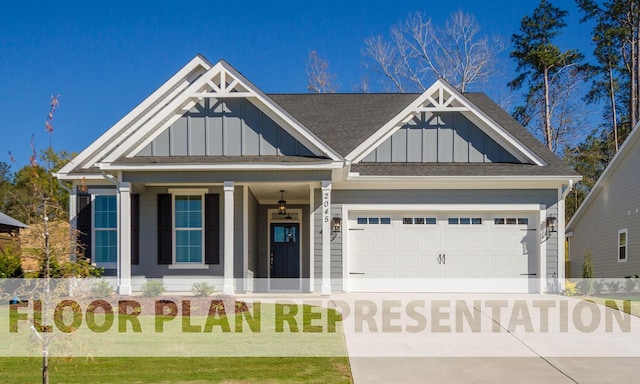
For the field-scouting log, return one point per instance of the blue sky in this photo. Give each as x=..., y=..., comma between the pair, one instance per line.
x=105, y=58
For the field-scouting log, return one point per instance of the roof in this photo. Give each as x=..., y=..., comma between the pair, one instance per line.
x=344, y=120
x=456, y=169
x=10, y=221
x=337, y=126
x=629, y=144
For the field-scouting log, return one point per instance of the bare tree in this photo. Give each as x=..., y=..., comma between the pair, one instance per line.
x=419, y=52
x=319, y=78
x=554, y=114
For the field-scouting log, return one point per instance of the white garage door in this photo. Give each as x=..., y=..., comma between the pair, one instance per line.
x=443, y=252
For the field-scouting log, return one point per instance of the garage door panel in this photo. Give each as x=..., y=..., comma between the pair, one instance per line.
x=480, y=257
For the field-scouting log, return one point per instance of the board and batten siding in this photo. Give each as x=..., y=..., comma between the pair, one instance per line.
x=615, y=207
x=441, y=137
x=230, y=127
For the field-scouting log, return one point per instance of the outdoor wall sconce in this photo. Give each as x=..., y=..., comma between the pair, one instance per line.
x=282, y=204
x=551, y=224
x=336, y=224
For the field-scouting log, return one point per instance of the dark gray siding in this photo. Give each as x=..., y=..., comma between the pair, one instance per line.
x=231, y=127
x=252, y=226
x=238, y=231
x=443, y=137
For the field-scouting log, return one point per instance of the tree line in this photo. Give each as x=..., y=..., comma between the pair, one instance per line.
x=555, y=85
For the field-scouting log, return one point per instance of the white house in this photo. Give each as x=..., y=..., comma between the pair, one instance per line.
x=211, y=178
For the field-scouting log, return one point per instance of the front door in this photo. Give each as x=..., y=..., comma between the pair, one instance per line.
x=285, y=256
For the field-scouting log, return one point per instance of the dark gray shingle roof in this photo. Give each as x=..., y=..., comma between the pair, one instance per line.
x=344, y=120
x=222, y=159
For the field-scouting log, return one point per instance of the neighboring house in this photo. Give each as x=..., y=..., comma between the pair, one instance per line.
x=10, y=232
x=211, y=179
x=607, y=223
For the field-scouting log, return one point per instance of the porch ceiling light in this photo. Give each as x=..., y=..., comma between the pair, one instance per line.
x=282, y=204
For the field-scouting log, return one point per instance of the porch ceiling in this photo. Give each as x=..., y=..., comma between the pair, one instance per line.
x=269, y=193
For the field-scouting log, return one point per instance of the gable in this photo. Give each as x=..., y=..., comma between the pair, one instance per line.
x=615, y=193
x=440, y=120
x=224, y=127
x=440, y=137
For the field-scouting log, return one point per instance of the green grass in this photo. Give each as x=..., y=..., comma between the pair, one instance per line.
x=178, y=370
x=618, y=299
x=266, y=356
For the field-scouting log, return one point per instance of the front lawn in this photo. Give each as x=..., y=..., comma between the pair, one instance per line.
x=290, y=343
x=22, y=370
x=617, y=300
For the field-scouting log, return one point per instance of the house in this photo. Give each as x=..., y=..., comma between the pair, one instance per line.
x=607, y=223
x=9, y=232
x=209, y=178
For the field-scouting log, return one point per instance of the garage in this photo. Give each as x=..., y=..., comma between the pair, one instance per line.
x=455, y=251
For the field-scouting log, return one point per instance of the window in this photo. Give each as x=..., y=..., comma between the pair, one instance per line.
x=188, y=228
x=419, y=220
x=373, y=220
x=465, y=221
x=622, y=245
x=511, y=221
x=105, y=229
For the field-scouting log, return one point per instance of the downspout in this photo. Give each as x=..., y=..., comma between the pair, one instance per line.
x=566, y=191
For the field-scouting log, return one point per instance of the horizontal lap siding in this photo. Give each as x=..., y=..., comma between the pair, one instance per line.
x=615, y=207
x=148, y=240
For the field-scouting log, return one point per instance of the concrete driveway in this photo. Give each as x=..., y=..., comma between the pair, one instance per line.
x=487, y=338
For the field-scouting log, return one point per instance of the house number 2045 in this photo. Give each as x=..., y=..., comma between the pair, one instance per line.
x=325, y=207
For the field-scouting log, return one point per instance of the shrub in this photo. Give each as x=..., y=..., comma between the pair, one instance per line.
x=9, y=264
x=202, y=289
x=153, y=288
x=586, y=285
x=629, y=284
x=101, y=289
x=598, y=287
x=569, y=288
x=613, y=286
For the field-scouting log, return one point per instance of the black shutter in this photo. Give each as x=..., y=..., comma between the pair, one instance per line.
x=165, y=246
x=212, y=229
x=83, y=224
x=135, y=229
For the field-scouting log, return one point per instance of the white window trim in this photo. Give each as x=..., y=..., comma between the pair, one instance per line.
x=626, y=245
x=103, y=192
x=186, y=192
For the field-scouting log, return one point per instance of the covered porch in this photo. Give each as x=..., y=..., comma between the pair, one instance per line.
x=242, y=234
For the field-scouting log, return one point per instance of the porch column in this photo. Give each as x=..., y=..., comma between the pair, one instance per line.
x=124, y=229
x=326, y=237
x=228, y=237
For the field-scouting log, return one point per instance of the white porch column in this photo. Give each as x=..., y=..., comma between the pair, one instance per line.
x=326, y=237
x=124, y=229
x=228, y=238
